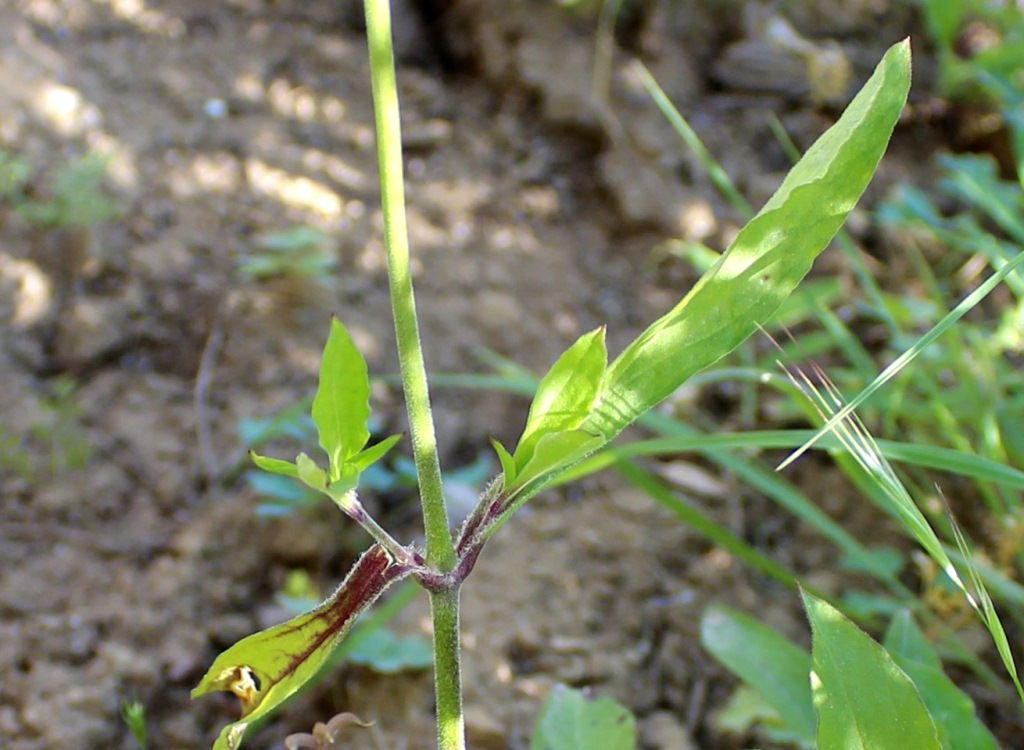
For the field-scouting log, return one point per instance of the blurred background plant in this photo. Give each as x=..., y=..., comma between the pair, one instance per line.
x=300, y=252
x=54, y=444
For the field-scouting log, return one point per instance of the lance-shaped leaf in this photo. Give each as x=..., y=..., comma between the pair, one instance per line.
x=367, y=458
x=862, y=697
x=341, y=406
x=275, y=465
x=267, y=668
x=769, y=257
x=566, y=394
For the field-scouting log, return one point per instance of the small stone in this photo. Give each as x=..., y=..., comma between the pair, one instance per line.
x=663, y=731
x=89, y=329
x=483, y=730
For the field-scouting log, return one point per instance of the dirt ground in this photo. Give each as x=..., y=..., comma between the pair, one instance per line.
x=535, y=213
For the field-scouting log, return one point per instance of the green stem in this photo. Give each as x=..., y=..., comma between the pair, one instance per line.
x=444, y=603
x=440, y=549
x=444, y=609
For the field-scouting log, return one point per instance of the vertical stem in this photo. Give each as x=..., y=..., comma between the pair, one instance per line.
x=444, y=610
x=444, y=603
x=440, y=548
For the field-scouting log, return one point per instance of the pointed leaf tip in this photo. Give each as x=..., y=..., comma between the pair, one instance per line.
x=341, y=406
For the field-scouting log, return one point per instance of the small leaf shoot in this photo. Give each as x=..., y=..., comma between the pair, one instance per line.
x=341, y=406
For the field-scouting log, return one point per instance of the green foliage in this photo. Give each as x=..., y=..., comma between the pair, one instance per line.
x=384, y=652
x=572, y=720
x=769, y=257
x=55, y=444
x=301, y=252
x=341, y=406
x=14, y=174
x=340, y=412
x=864, y=695
x=133, y=714
x=580, y=405
x=771, y=665
x=1000, y=54
x=73, y=197
x=862, y=698
x=952, y=710
x=564, y=399
x=766, y=261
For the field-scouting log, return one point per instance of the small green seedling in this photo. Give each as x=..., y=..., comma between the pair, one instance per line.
x=301, y=252
x=580, y=405
x=133, y=713
x=74, y=197
x=53, y=445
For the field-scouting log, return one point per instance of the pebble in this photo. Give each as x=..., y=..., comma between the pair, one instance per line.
x=663, y=731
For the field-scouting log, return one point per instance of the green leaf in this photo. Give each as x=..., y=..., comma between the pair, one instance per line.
x=341, y=406
x=384, y=652
x=310, y=474
x=367, y=458
x=267, y=668
x=342, y=490
x=747, y=709
x=769, y=257
x=556, y=451
x=863, y=699
x=951, y=709
x=570, y=720
x=766, y=661
x=566, y=394
x=508, y=464
x=275, y=465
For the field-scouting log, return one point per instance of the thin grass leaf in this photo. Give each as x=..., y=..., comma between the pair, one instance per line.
x=986, y=611
x=854, y=436
x=947, y=322
x=719, y=177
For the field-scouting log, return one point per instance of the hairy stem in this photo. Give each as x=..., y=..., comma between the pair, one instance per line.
x=440, y=549
x=444, y=609
x=440, y=546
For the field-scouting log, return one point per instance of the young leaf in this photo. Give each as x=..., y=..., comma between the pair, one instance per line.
x=951, y=708
x=341, y=406
x=566, y=394
x=571, y=720
x=766, y=661
x=367, y=458
x=863, y=699
x=310, y=474
x=275, y=465
x=342, y=490
x=769, y=257
x=556, y=451
x=267, y=668
x=508, y=464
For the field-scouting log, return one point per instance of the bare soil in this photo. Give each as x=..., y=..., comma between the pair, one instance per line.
x=535, y=214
